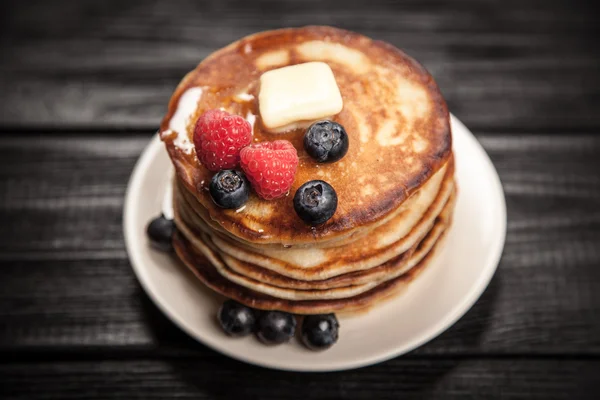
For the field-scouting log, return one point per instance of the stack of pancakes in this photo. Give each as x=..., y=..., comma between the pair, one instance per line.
x=395, y=186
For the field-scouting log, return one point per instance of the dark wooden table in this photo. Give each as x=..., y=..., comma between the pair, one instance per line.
x=83, y=86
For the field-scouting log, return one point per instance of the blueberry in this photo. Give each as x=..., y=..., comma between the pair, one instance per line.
x=326, y=141
x=320, y=332
x=229, y=188
x=160, y=231
x=315, y=202
x=275, y=327
x=236, y=319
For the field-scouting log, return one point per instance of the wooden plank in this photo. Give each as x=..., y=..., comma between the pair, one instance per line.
x=70, y=189
x=518, y=64
x=66, y=281
x=219, y=378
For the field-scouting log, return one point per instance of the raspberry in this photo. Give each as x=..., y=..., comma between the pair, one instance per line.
x=219, y=137
x=270, y=167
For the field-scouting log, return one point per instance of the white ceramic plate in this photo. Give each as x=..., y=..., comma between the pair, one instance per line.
x=433, y=302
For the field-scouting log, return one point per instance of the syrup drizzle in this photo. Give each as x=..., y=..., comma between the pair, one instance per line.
x=186, y=107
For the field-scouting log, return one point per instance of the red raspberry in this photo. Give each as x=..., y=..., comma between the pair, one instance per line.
x=270, y=167
x=219, y=137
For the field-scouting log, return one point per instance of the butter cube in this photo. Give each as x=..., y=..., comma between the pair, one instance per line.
x=294, y=96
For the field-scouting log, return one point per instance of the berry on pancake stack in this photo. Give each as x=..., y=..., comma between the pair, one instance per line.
x=314, y=175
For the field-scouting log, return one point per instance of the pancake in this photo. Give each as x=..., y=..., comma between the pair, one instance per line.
x=400, y=219
x=332, y=293
x=395, y=187
x=372, y=251
x=209, y=276
x=387, y=270
x=378, y=246
x=381, y=245
x=407, y=211
x=265, y=283
x=396, y=118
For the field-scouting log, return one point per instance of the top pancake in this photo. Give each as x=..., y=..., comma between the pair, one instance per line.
x=396, y=119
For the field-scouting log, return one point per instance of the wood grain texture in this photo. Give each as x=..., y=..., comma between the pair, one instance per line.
x=220, y=378
x=66, y=281
x=501, y=64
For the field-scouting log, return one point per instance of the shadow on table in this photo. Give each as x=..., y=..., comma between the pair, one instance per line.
x=418, y=373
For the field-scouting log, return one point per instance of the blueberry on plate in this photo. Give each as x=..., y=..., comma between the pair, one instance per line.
x=229, y=188
x=320, y=332
x=276, y=327
x=236, y=319
x=160, y=231
x=315, y=202
x=326, y=141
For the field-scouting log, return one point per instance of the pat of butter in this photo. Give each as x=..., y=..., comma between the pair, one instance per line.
x=294, y=96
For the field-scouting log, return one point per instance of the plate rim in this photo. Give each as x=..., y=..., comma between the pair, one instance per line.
x=458, y=311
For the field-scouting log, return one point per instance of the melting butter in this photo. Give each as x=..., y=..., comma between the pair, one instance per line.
x=298, y=94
